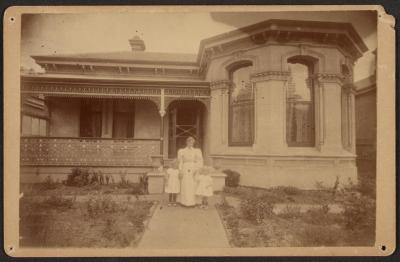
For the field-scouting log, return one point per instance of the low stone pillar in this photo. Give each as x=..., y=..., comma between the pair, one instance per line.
x=218, y=181
x=156, y=182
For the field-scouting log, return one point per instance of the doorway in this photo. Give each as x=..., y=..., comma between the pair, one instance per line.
x=185, y=119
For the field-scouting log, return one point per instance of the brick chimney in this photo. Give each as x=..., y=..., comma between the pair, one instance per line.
x=137, y=44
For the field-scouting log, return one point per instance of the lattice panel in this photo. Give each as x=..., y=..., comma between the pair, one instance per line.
x=87, y=152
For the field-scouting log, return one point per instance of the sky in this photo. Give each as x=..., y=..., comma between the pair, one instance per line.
x=46, y=34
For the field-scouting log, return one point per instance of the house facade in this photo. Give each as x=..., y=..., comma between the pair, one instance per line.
x=274, y=101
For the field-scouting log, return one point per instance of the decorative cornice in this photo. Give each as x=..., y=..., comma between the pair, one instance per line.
x=270, y=75
x=220, y=84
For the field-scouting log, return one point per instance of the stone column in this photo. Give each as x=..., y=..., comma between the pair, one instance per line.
x=270, y=119
x=352, y=122
x=218, y=120
x=330, y=127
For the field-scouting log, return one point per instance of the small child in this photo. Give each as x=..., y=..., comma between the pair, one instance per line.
x=204, y=187
x=172, y=182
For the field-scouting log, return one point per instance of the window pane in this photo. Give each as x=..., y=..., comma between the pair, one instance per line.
x=241, y=107
x=43, y=127
x=123, y=120
x=300, y=117
x=90, y=118
x=35, y=126
x=26, y=125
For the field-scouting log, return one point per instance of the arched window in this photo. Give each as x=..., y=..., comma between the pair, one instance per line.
x=300, y=122
x=241, y=106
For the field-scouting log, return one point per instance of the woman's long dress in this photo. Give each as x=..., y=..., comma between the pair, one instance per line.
x=190, y=159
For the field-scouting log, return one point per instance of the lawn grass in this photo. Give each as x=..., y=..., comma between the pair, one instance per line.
x=58, y=221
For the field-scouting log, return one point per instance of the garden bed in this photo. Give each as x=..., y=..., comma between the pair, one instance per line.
x=250, y=218
x=45, y=189
x=57, y=221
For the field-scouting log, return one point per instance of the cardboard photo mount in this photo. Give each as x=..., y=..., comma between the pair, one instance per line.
x=386, y=202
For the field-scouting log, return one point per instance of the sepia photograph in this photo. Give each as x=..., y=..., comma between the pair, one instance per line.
x=174, y=130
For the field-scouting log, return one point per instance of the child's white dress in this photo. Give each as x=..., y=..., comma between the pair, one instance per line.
x=173, y=184
x=204, y=186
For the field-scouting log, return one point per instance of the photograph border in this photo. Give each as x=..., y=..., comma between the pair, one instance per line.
x=386, y=140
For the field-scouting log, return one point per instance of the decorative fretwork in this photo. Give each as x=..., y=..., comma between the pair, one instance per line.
x=43, y=151
x=79, y=90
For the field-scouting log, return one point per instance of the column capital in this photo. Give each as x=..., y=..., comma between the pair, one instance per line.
x=323, y=78
x=270, y=75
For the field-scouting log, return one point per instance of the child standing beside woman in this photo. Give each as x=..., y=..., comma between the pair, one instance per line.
x=172, y=183
x=204, y=188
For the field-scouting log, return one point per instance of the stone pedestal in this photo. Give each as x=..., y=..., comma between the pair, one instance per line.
x=218, y=181
x=156, y=182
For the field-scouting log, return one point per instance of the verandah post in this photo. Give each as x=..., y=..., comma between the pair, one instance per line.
x=162, y=114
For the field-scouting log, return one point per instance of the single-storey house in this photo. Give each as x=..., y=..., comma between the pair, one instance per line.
x=274, y=101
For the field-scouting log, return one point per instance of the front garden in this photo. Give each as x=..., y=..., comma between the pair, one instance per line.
x=83, y=211
x=290, y=217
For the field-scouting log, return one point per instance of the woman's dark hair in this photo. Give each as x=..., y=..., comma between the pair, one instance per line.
x=190, y=137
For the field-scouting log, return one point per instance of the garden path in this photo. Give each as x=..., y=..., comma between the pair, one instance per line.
x=184, y=227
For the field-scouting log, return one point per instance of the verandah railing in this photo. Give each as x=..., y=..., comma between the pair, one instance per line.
x=51, y=151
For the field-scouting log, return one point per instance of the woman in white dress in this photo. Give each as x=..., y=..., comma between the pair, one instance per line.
x=190, y=160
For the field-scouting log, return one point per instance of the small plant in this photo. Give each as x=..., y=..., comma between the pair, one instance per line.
x=318, y=216
x=232, y=178
x=57, y=202
x=256, y=208
x=123, y=182
x=291, y=211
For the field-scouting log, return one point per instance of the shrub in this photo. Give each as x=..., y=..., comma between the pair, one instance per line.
x=49, y=184
x=359, y=212
x=140, y=214
x=232, y=178
x=79, y=177
x=256, y=208
x=97, y=206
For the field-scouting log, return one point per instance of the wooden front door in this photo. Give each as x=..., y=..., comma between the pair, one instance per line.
x=185, y=120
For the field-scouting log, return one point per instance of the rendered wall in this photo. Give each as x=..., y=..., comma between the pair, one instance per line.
x=270, y=161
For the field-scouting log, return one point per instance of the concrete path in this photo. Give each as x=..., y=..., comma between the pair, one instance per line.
x=184, y=227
